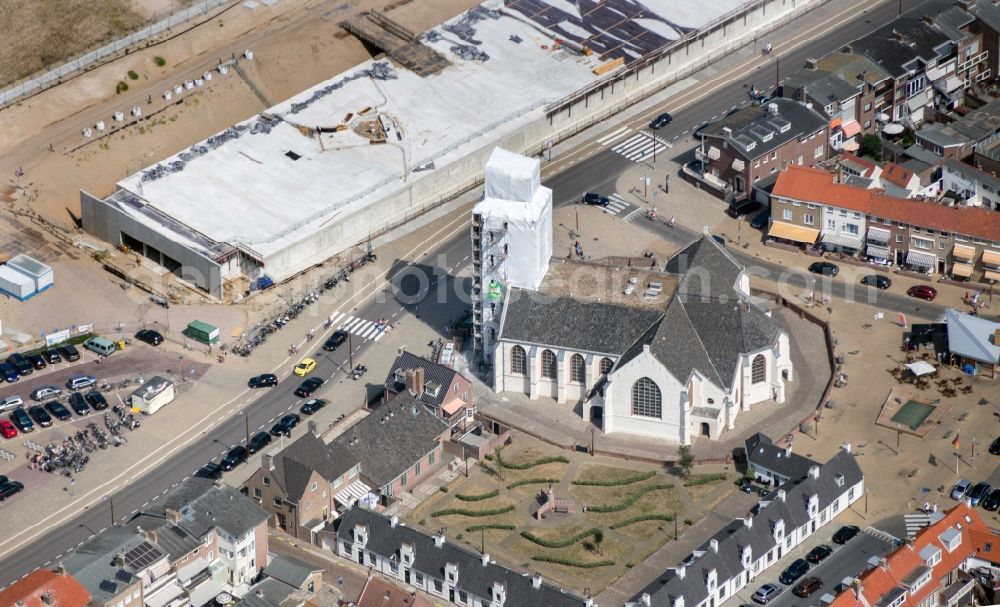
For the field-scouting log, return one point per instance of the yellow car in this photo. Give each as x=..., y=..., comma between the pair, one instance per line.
x=305, y=367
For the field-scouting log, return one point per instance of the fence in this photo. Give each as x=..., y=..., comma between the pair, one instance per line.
x=122, y=45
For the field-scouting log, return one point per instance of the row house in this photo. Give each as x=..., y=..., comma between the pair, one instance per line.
x=963, y=242
x=931, y=570
x=957, y=140
x=442, y=568
x=834, y=97
x=757, y=142
x=987, y=15
x=773, y=464
x=439, y=387
x=45, y=588
x=970, y=186
x=745, y=549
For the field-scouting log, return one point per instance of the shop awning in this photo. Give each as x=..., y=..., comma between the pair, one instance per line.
x=787, y=231
x=850, y=128
x=921, y=260
x=991, y=258
x=877, y=252
x=963, y=252
x=841, y=240
x=961, y=269
x=991, y=275
x=878, y=235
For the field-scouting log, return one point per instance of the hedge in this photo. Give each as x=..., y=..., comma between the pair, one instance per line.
x=571, y=563
x=704, y=479
x=477, y=498
x=533, y=481
x=501, y=527
x=629, y=480
x=641, y=518
x=569, y=541
x=629, y=500
x=463, y=512
x=538, y=462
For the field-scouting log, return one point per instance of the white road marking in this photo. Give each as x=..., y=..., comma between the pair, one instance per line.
x=607, y=139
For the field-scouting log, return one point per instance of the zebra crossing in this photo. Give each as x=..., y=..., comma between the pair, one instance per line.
x=365, y=329
x=639, y=147
x=617, y=205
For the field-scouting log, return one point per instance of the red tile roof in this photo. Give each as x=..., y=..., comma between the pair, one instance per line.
x=66, y=591
x=896, y=174
x=861, y=162
x=380, y=593
x=807, y=184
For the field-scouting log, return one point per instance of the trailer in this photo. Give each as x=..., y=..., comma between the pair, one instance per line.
x=40, y=274
x=153, y=395
x=15, y=284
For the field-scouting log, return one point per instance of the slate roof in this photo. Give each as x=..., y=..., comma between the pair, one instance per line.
x=174, y=539
x=763, y=453
x=752, y=125
x=705, y=257
x=473, y=577
x=919, y=40
x=204, y=506
x=269, y=592
x=433, y=372
x=66, y=591
x=93, y=563
x=603, y=328
x=290, y=570
x=821, y=86
x=853, y=68
x=735, y=536
x=404, y=424
x=988, y=13
x=294, y=465
x=918, y=153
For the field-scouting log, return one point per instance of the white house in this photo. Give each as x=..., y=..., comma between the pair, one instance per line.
x=970, y=185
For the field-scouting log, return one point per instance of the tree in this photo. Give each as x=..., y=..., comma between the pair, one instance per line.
x=497, y=462
x=685, y=460
x=598, y=537
x=871, y=146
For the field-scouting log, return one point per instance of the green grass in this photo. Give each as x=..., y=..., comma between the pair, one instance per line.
x=560, y=543
x=477, y=513
x=642, y=518
x=616, y=482
x=477, y=497
x=704, y=479
x=533, y=481
x=572, y=562
x=630, y=500
x=491, y=526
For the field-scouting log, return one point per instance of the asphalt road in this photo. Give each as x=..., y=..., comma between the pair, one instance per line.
x=592, y=174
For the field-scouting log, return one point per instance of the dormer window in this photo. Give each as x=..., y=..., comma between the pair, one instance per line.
x=767, y=137
x=785, y=128
x=951, y=539
x=751, y=146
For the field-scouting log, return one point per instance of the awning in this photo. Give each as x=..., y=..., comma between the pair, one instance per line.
x=850, y=146
x=878, y=235
x=991, y=275
x=919, y=259
x=738, y=165
x=961, y=269
x=917, y=101
x=991, y=258
x=850, y=128
x=921, y=367
x=352, y=493
x=953, y=83
x=787, y=231
x=164, y=595
x=963, y=252
x=714, y=153
x=835, y=123
x=841, y=240
x=877, y=252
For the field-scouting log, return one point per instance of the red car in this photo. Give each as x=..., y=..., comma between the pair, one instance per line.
x=922, y=292
x=7, y=429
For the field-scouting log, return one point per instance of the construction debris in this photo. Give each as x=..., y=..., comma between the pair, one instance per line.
x=469, y=53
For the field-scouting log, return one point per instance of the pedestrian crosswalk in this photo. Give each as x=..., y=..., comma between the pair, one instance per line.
x=617, y=205
x=639, y=147
x=365, y=329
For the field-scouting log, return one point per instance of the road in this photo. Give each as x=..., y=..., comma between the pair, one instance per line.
x=26, y=551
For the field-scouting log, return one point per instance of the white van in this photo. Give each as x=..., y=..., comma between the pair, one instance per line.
x=10, y=403
x=100, y=345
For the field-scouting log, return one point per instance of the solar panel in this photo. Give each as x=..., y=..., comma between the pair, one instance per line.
x=123, y=576
x=142, y=556
x=178, y=531
x=109, y=586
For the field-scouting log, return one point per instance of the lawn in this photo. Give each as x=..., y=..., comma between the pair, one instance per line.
x=699, y=486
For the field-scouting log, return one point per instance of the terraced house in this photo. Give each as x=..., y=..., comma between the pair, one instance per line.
x=745, y=548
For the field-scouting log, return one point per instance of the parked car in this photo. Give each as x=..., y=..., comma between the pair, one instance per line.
x=766, y=593
x=309, y=386
x=45, y=392
x=979, y=493
x=305, y=367
x=922, y=292
x=10, y=489
x=10, y=374
x=7, y=429
x=824, y=268
x=259, y=441
x=595, y=199
x=59, y=410
x=819, y=553
x=21, y=364
x=807, y=586
x=265, y=380
x=211, y=470
x=961, y=489
x=846, y=534
x=661, y=121
x=719, y=239
x=877, y=280
x=312, y=405
x=760, y=220
x=40, y=415
x=797, y=569
x=992, y=501
x=285, y=425
x=78, y=403
x=69, y=352
x=335, y=340
x=37, y=361
x=51, y=356
x=742, y=207
x=9, y=403
x=80, y=381
x=20, y=419
x=96, y=400
x=747, y=487
x=149, y=336
x=236, y=456
x=995, y=446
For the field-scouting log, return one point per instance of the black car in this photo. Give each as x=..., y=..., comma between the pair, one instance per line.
x=78, y=403
x=742, y=207
x=661, y=121
x=335, y=340
x=51, y=356
x=10, y=489
x=992, y=501
x=819, y=553
x=96, y=400
x=845, y=534
x=9, y=373
x=595, y=199
x=19, y=417
x=747, y=487
x=719, y=239
x=37, y=361
x=149, y=336
x=285, y=425
x=312, y=405
x=760, y=220
x=236, y=456
x=69, y=352
x=40, y=415
x=995, y=447
x=21, y=364
x=211, y=470
x=59, y=410
x=797, y=569
x=824, y=268
x=263, y=381
x=877, y=280
x=259, y=441
x=308, y=387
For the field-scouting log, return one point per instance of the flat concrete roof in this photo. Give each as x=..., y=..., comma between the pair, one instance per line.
x=252, y=190
x=586, y=281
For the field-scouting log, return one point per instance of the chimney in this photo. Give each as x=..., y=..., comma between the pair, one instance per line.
x=781, y=494
x=394, y=521
x=411, y=382
x=646, y=600
x=486, y=559
x=60, y=569
x=897, y=36
x=313, y=428
x=48, y=599
x=856, y=585
x=814, y=471
x=536, y=581
x=846, y=447
x=714, y=545
x=173, y=515
x=772, y=108
x=788, y=450
x=928, y=19
x=847, y=49
x=681, y=571
x=811, y=64
x=727, y=130
x=748, y=521
x=439, y=539
x=267, y=462
x=149, y=535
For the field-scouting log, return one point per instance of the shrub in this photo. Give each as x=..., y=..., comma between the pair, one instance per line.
x=561, y=543
x=572, y=563
x=497, y=526
x=630, y=500
x=458, y=537
x=526, y=465
x=704, y=479
x=464, y=512
x=121, y=87
x=132, y=75
x=532, y=481
x=629, y=480
x=642, y=517
x=688, y=522
x=479, y=497
x=159, y=61
x=422, y=521
x=443, y=489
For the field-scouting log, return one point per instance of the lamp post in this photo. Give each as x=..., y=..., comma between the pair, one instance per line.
x=111, y=503
x=246, y=420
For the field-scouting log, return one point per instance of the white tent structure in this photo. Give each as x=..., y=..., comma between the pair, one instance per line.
x=973, y=340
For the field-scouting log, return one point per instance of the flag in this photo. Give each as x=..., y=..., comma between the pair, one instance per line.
x=955, y=443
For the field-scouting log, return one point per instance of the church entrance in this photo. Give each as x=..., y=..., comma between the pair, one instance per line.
x=705, y=429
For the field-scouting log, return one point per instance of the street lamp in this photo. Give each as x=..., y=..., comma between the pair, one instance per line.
x=111, y=503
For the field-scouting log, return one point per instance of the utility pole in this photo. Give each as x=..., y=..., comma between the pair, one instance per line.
x=350, y=352
x=246, y=418
x=111, y=502
x=652, y=135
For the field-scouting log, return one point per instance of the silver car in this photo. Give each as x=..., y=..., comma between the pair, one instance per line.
x=961, y=489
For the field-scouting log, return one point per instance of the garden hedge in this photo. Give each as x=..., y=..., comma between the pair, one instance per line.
x=464, y=512
x=630, y=500
x=569, y=541
x=641, y=518
x=501, y=527
x=526, y=465
x=479, y=497
x=533, y=481
x=629, y=480
x=704, y=479
x=571, y=563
